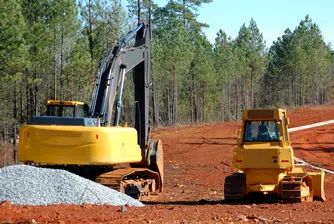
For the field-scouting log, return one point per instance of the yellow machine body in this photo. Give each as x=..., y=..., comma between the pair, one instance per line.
x=265, y=161
x=78, y=145
x=65, y=103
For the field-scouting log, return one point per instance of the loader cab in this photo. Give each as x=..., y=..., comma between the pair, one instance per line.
x=59, y=108
x=265, y=125
x=265, y=162
x=259, y=131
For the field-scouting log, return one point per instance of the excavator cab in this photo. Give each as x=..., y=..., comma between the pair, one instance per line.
x=67, y=108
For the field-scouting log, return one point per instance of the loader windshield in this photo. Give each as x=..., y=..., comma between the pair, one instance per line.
x=259, y=131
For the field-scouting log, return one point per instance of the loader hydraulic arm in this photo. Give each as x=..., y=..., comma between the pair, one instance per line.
x=110, y=80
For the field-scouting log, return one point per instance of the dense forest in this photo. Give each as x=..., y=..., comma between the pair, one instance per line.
x=50, y=49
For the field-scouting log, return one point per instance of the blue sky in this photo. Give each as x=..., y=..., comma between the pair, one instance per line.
x=272, y=17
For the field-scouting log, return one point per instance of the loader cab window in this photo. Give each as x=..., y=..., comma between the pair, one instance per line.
x=259, y=131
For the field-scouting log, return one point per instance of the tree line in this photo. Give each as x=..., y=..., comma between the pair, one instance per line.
x=51, y=50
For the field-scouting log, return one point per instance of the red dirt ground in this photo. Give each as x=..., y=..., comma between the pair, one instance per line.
x=197, y=160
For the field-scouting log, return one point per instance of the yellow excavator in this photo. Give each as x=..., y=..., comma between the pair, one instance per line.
x=265, y=162
x=93, y=141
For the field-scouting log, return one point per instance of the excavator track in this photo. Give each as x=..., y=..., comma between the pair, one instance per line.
x=140, y=183
x=234, y=188
x=295, y=189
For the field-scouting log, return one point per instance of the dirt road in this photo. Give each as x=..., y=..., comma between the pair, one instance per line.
x=197, y=160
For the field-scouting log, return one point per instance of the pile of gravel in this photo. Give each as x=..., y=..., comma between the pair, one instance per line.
x=27, y=185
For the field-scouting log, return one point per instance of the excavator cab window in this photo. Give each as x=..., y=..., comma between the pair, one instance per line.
x=67, y=111
x=259, y=131
x=53, y=111
x=61, y=111
x=81, y=111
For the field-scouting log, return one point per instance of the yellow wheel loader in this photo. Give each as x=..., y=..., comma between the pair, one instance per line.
x=94, y=142
x=265, y=162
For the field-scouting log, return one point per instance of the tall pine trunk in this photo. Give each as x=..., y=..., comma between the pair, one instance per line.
x=14, y=122
x=237, y=99
x=174, y=118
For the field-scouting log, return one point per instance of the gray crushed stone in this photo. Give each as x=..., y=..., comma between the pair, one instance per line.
x=28, y=185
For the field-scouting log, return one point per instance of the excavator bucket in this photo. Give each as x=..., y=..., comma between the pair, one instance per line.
x=318, y=185
x=156, y=159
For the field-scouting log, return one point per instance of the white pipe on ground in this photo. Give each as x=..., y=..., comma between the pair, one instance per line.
x=302, y=162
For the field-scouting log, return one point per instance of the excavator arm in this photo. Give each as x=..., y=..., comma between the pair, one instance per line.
x=110, y=80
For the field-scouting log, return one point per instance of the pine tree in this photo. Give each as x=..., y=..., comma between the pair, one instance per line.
x=14, y=60
x=299, y=66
